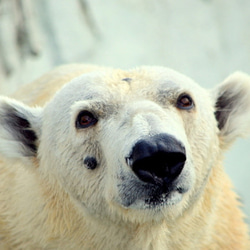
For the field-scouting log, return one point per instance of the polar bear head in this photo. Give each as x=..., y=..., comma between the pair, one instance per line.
x=137, y=145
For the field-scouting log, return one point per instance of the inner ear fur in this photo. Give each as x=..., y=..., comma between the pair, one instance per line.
x=20, y=128
x=232, y=107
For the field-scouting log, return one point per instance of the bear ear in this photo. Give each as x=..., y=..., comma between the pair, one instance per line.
x=20, y=127
x=232, y=107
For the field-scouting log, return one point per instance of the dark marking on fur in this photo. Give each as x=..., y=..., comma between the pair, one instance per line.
x=225, y=105
x=128, y=80
x=23, y=131
x=90, y=162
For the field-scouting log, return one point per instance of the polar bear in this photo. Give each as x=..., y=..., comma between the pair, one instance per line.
x=99, y=158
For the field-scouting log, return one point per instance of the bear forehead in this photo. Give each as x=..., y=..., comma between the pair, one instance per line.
x=120, y=84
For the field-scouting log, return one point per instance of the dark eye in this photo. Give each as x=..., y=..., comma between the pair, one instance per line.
x=85, y=119
x=185, y=102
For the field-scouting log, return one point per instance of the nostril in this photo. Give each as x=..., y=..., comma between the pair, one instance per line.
x=160, y=167
x=158, y=160
x=176, y=163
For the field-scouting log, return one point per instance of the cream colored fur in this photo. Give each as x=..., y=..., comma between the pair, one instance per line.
x=50, y=200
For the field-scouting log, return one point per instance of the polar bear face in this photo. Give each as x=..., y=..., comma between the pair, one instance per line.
x=138, y=145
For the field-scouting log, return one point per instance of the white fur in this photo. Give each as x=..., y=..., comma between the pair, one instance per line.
x=61, y=204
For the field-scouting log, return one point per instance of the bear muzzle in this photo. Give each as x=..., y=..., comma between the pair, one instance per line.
x=158, y=160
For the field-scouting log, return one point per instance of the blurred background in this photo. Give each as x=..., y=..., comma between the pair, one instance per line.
x=204, y=39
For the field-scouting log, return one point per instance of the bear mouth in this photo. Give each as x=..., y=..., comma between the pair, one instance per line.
x=150, y=196
x=164, y=198
x=157, y=200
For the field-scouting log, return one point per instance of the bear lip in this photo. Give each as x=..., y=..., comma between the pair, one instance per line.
x=157, y=200
x=155, y=196
x=162, y=195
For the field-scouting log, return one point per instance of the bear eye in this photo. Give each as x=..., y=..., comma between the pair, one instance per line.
x=85, y=119
x=185, y=102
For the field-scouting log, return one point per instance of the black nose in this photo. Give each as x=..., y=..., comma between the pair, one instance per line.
x=158, y=159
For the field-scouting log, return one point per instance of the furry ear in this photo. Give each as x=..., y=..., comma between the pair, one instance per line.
x=232, y=107
x=20, y=127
